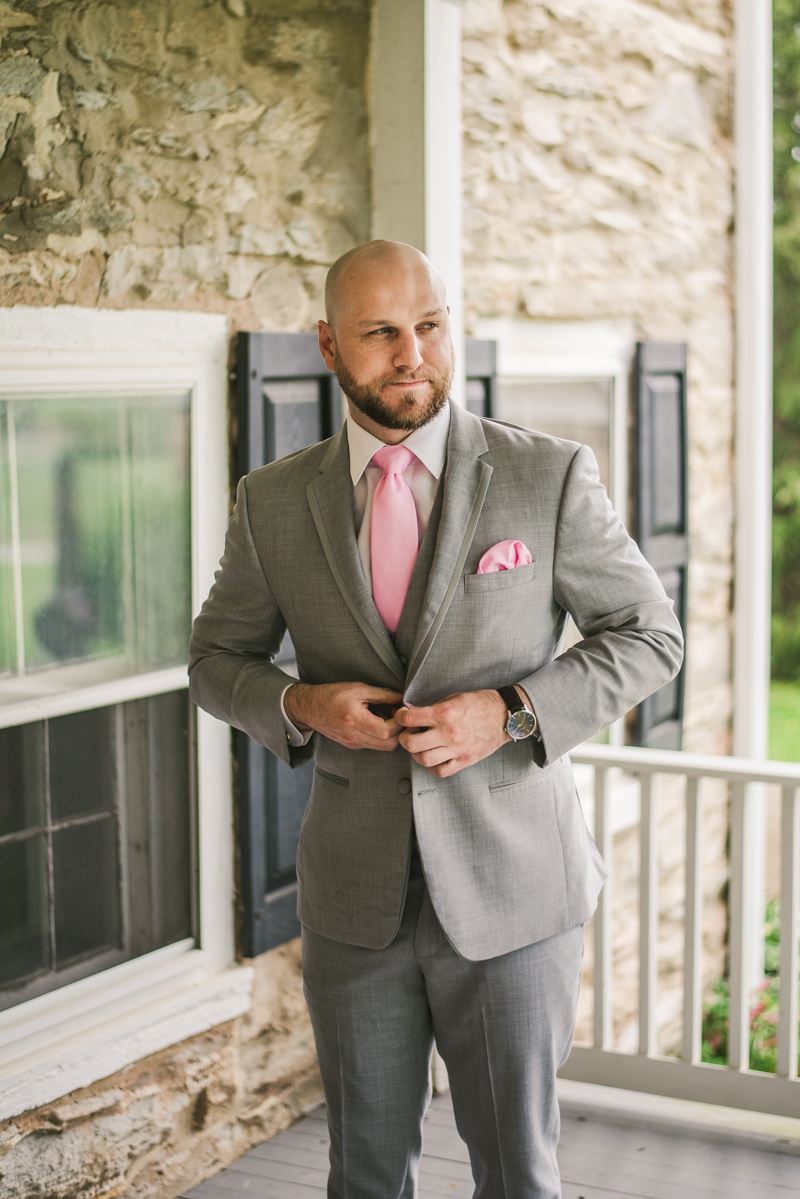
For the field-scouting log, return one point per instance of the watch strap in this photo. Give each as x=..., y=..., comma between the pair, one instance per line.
x=511, y=699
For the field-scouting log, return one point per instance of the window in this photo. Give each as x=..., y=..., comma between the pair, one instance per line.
x=577, y=409
x=116, y=813
x=95, y=539
x=95, y=841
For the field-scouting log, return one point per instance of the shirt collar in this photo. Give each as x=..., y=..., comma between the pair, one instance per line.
x=428, y=443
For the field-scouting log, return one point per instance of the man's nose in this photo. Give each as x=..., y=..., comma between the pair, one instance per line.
x=407, y=355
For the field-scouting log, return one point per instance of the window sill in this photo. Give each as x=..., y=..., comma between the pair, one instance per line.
x=86, y=1031
x=64, y=690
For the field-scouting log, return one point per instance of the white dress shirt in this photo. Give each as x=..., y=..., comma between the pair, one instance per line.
x=429, y=446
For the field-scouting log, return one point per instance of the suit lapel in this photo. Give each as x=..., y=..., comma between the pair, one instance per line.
x=466, y=482
x=330, y=497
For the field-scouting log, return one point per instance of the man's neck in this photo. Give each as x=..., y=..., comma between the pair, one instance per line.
x=387, y=436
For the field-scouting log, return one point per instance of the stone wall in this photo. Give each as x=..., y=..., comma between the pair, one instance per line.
x=164, y=1124
x=187, y=154
x=598, y=185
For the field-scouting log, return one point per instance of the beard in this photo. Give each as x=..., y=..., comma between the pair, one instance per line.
x=409, y=414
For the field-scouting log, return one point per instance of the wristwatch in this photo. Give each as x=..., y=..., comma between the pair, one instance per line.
x=521, y=721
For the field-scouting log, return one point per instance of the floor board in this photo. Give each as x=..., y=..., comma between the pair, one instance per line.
x=598, y=1160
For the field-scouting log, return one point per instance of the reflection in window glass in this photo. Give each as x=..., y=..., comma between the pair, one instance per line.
x=95, y=841
x=81, y=756
x=86, y=895
x=24, y=912
x=577, y=409
x=94, y=536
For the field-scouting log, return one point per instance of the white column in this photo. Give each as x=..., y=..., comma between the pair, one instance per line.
x=415, y=139
x=753, y=124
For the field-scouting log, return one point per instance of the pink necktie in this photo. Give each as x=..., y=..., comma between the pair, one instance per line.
x=394, y=537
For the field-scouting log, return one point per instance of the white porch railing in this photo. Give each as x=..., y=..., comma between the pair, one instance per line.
x=734, y=1085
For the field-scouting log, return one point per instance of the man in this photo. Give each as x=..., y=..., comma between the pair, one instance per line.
x=445, y=871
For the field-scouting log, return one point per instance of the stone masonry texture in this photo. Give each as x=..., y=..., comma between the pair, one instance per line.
x=165, y=1123
x=189, y=154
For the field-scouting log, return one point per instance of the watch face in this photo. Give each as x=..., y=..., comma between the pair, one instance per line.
x=520, y=725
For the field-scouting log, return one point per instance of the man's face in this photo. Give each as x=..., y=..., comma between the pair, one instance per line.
x=390, y=345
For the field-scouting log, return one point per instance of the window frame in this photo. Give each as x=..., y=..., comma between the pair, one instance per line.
x=85, y=1030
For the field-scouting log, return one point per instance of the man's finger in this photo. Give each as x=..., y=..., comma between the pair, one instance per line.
x=375, y=727
x=417, y=743
x=379, y=695
x=416, y=717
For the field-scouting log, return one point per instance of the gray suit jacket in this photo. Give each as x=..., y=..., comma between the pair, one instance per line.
x=507, y=857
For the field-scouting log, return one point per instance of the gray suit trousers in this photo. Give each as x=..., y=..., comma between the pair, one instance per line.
x=504, y=1026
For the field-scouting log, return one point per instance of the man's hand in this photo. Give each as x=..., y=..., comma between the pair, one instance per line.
x=458, y=731
x=340, y=712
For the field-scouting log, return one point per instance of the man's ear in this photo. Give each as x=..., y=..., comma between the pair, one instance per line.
x=327, y=343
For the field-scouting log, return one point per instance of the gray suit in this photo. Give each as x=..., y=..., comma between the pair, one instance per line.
x=507, y=859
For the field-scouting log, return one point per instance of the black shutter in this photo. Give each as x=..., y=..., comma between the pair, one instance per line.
x=286, y=399
x=481, y=364
x=661, y=515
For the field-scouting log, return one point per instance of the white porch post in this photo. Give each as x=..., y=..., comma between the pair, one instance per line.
x=415, y=137
x=753, y=444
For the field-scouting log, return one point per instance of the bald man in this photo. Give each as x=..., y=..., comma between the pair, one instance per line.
x=424, y=562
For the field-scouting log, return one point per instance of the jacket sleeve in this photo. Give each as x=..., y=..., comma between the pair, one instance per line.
x=234, y=641
x=632, y=643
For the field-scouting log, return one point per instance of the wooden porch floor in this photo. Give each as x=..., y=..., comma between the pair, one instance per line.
x=602, y=1156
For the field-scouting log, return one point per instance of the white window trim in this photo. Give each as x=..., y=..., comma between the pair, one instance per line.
x=574, y=350
x=86, y=1030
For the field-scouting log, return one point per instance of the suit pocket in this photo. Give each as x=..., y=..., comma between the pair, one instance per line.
x=499, y=580
x=332, y=778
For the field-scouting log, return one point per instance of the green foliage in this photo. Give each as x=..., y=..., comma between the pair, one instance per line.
x=786, y=478
x=784, y=722
x=763, y=1012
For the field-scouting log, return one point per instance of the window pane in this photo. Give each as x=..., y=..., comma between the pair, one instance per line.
x=158, y=819
x=21, y=778
x=70, y=519
x=577, y=409
x=104, y=539
x=86, y=888
x=24, y=915
x=160, y=510
x=82, y=770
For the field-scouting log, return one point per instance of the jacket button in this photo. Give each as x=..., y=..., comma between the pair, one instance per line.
x=404, y=660
x=404, y=786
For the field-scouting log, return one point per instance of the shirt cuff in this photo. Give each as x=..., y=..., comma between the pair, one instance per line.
x=293, y=735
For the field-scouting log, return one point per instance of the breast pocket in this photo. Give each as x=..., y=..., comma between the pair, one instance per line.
x=499, y=580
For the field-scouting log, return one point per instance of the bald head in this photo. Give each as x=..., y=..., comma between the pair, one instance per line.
x=387, y=337
x=387, y=264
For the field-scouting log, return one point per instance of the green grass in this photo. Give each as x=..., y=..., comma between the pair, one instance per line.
x=784, y=722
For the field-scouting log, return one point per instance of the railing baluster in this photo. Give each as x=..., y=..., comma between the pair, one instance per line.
x=603, y=1002
x=648, y=916
x=693, y=925
x=790, y=898
x=739, y=1011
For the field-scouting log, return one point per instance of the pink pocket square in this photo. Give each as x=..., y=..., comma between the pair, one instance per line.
x=506, y=555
